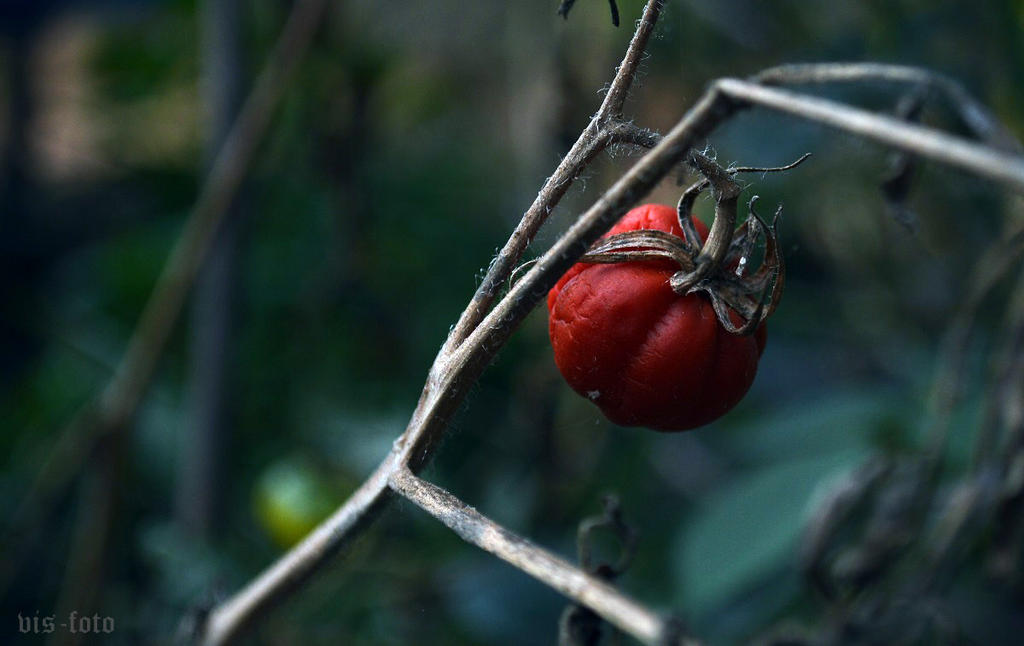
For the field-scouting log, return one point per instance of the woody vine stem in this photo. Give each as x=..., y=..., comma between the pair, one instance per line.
x=487, y=322
x=483, y=329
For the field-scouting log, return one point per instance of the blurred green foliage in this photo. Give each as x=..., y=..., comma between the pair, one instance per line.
x=414, y=137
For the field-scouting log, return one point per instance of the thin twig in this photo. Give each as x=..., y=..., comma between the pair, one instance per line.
x=121, y=397
x=447, y=381
x=440, y=399
x=614, y=101
x=452, y=376
x=113, y=410
x=480, y=334
x=627, y=132
x=554, y=571
x=229, y=620
x=975, y=115
x=594, y=139
x=999, y=166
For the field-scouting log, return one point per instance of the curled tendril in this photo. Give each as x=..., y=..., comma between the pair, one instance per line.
x=610, y=520
x=566, y=5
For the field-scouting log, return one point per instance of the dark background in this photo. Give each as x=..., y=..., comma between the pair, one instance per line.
x=412, y=139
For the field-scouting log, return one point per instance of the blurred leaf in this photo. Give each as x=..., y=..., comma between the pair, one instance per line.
x=838, y=421
x=748, y=530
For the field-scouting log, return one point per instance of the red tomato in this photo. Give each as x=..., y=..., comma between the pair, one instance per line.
x=644, y=354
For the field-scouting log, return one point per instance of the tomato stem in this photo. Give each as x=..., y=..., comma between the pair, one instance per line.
x=719, y=266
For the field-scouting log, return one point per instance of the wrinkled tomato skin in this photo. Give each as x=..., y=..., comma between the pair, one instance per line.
x=643, y=354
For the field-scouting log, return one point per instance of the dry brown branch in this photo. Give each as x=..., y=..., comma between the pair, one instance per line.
x=121, y=397
x=480, y=334
x=460, y=361
x=586, y=589
x=999, y=161
x=1003, y=167
x=112, y=411
x=604, y=128
x=975, y=115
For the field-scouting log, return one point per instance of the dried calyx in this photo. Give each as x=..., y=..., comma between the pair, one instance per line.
x=721, y=265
